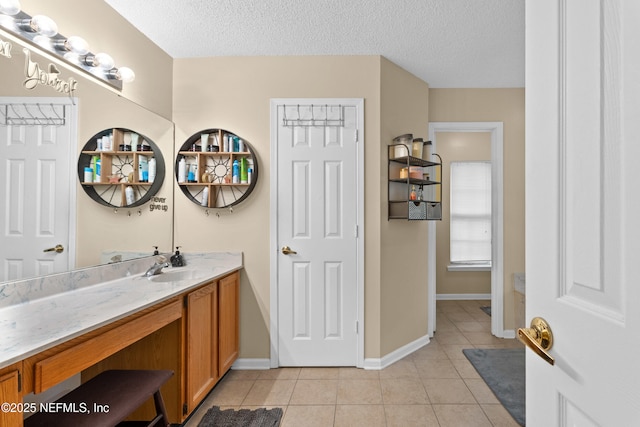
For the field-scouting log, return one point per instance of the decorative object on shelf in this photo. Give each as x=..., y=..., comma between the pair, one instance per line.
x=42, y=31
x=126, y=177
x=412, y=194
x=220, y=176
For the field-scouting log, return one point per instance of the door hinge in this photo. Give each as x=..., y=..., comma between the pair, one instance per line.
x=186, y=302
x=357, y=139
x=184, y=409
x=19, y=381
x=357, y=332
x=355, y=231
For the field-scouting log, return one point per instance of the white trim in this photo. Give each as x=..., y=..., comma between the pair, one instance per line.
x=251, y=364
x=74, y=149
x=394, y=356
x=497, y=225
x=273, y=219
x=469, y=267
x=463, y=297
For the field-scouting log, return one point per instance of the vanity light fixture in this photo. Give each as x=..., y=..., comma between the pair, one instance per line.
x=43, y=31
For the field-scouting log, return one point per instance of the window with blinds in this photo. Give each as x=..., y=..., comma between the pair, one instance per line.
x=470, y=217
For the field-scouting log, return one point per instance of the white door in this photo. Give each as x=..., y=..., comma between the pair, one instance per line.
x=582, y=205
x=36, y=138
x=317, y=292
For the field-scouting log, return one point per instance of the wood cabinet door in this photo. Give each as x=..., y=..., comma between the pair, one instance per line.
x=201, y=348
x=229, y=297
x=10, y=395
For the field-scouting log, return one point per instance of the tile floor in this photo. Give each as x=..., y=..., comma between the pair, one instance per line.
x=434, y=386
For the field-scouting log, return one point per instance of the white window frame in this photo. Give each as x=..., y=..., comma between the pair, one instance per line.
x=470, y=265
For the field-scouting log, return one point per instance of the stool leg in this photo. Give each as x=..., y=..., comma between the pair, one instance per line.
x=160, y=409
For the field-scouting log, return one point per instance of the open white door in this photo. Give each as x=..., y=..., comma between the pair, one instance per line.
x=582, y=204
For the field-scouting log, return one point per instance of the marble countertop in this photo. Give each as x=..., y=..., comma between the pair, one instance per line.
x=30, y=327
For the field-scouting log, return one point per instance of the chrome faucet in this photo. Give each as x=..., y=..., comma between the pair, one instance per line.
x=156, y=268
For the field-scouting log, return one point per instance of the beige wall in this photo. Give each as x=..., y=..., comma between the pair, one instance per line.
x=403, y=244
x=233, y=94
x=106, y=31
x=496, y=105
x=452, y=147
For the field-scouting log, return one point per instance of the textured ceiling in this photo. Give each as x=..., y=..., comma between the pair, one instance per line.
x=447, y=43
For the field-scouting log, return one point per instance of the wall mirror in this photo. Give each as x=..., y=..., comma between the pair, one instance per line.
x=43, y=128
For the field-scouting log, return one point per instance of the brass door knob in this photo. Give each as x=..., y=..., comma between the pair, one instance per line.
x=539, y=338
x=57, y=249
x=287, y=251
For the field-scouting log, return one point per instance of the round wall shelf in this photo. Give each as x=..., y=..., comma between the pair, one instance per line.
x=120, y=168
x=220, y=176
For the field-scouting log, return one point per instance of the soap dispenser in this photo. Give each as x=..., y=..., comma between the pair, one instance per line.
x=177, y=260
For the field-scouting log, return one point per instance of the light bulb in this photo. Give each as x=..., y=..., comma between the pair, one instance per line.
x=8, y=22
x=74, y=44
x=101, y=60
x=104, y=61
x=126, y=74
x=42, y=41
x=9, y=7
x=44, y=25
x=73, y=57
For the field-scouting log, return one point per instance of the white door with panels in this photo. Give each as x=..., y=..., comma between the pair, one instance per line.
x=316, y=238
x=37, y=138
x=582, y=205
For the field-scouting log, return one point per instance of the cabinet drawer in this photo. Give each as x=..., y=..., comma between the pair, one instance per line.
x=60, y=366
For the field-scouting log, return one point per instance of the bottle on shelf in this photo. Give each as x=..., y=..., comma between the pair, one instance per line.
x=236, y=172
x=98, y=164
x=205, y=197
x=244, y=178
x=143, y=169
x=129, y=195
x=204, y=141
x=182, y=170
x=152, y=169
x=88, y=175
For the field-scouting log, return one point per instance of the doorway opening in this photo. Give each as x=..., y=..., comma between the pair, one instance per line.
x=495, y=130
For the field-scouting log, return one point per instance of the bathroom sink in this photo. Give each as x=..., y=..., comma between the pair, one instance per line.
x=175, y=276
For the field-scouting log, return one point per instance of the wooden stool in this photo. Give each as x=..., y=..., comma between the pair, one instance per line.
x=106, y=400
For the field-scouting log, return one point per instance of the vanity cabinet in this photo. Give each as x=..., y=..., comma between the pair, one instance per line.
x=212, y=336
x=131, y=169
x=11, y=395
x=207, y=178
x=228, y=338
x=194, y=334
x=202, y=343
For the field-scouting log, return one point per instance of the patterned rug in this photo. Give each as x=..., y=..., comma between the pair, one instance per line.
x=215, y=417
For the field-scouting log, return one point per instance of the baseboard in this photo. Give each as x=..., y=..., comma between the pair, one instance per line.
x=462, y=297
x=252, y=364
x=394, y=356
x=509, y=333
